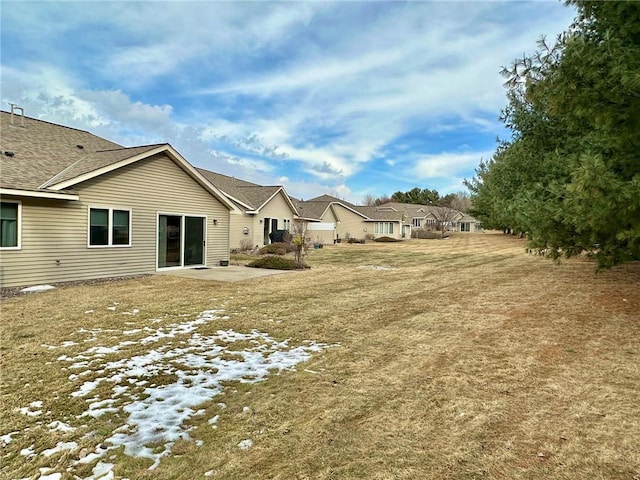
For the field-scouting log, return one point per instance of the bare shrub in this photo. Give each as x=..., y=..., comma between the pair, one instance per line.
x=246, y=244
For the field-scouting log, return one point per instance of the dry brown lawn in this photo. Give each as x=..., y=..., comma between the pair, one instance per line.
x=465, y=358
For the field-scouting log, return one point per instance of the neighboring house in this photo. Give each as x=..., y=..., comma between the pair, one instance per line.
x=329, y=218
x=429, y=217
x=264, y=209
x=76, y=206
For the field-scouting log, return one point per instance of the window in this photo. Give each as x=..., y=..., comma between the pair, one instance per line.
x=120, y=227
x=287, y=224
x=109, y=227
x=383, y=227
x=10, y=225
x=465, y=227
x=417, y=222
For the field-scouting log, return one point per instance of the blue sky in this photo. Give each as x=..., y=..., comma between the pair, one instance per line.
x=345, y=98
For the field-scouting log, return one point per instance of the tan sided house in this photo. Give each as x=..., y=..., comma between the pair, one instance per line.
x=264, y=209
x=430, y=217
x=329, y=218
x=76, y=206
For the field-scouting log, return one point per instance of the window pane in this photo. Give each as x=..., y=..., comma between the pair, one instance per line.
x=120, y=227
x=98, y=226
x=9, y=225
x=390, y=227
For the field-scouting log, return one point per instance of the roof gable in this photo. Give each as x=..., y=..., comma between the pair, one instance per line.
x=49, y=159
x=248, y=196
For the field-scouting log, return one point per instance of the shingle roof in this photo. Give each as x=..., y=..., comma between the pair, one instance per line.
x=410, y=209
x=41, y=150
x=250, y=194
x=311, y=209
x=96, y=160
x=421, y=211
x=315, y=207
x=373, y=214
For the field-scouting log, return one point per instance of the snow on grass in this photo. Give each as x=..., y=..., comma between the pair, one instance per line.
x=57, y=425
x=197, y=366
x=245, y=444
x=60, y=447
x=37, y=288
x=32, y=410
x=6, y=439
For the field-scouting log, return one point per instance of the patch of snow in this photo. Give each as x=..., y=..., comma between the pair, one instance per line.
x=6, y=438
x=28, y=452
x=245, y=444
x=28, y=410
x=38, y=288
x=57, y=425
x=45, y=475
x=102, y=471
x=60, y=447
x=156, y=414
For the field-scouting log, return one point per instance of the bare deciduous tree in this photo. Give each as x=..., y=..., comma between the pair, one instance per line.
x=299, y=241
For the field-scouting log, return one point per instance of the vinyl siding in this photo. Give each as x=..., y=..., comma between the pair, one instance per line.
x=321, y=236
x=238, y=223
x=277, y=207
x=348, y=222
x=55, y=233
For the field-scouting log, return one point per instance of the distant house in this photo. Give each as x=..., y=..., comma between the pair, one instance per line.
x=261, y=210
x=430, y=217
x=329, y=218
x=76, y=206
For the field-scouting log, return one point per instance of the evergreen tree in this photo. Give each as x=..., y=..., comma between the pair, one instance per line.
x=570, y=175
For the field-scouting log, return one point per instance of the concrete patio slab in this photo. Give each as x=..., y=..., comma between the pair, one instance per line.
x=232, y=273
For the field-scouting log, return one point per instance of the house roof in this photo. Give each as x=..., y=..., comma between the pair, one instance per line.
x=315, y=208
x=97, y=160
x=40, y=158
x=423, y=211
x=374, y=214
x=41, y=150
x=245, y=195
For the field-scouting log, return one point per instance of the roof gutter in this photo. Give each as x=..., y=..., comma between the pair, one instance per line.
x=39, y=194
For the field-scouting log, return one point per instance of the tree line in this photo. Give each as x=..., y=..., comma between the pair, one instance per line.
x=569, y=176
x=460, y=201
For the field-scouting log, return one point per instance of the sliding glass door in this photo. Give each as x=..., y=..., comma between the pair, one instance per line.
x=193, y=241
x=181, y=241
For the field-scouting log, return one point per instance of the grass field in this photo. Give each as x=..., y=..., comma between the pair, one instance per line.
x=462, y=358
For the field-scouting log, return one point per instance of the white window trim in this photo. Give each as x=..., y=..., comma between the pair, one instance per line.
x=109, y=228
x=384, y=228
x=182, y=224
x=19, y=245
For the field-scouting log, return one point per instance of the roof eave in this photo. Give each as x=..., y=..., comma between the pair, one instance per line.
x=39, y=194
x=287, y=199
x=171, y=152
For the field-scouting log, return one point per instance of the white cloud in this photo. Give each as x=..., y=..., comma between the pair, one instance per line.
x=447, y=164
x=310, y=91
